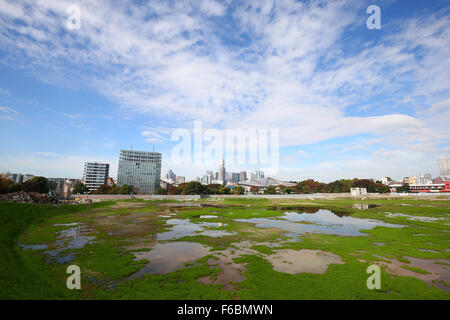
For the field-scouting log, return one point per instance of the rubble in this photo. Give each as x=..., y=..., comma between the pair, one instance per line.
x=31, y=197
x=34, y=197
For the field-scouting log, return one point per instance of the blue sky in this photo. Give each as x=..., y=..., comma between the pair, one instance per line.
x=348, y=101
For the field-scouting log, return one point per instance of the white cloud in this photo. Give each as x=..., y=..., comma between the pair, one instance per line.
x=293, y=71
x=51, y=164
x=7, y=113
x=212, y=8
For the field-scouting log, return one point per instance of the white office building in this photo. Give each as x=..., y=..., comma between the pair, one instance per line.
x=95, y=174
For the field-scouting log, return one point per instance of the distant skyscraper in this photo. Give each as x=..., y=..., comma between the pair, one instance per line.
x=444, y=166
x=259, y=174
x=95, y=174
x=242, y=176
x=180, y=179
x=171, y=175
x=141, y=169
x=222, y=176
x=424, y=179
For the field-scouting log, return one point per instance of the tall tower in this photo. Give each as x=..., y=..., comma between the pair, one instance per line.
x=222, y=176
x=444, y=166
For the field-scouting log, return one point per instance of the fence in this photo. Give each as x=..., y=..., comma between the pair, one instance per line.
x=260, y=196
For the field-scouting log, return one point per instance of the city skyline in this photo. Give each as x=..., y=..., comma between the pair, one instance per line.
x=356, y=103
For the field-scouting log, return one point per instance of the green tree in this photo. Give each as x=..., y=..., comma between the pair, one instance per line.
x=173, y=190
x=80, y=188
x=225, y=190
x=126, y=189
x=103, y=189
x=270, y=190
x=37, y=184
x=404, y=188
x=238, y=190
x=214, y=188
x=7, y=185
x=161, y=191
x=194, y=187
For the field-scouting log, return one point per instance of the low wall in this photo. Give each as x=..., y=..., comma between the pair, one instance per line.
x=142, y=196
x=263, y=196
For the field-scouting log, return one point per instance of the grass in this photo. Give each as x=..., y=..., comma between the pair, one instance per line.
x=27, y=275
x=416, y=270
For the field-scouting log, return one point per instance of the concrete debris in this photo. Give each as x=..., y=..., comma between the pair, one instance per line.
x=34, y=197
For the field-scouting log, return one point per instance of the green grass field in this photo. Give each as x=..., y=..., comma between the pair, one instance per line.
x=414, y=259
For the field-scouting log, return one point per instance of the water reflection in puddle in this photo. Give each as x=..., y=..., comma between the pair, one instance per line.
x=364, y=206
x=323, y=221
x=185, y=228
x=299, y=261
x=169, y=257
x=34, y=246
x=71, y=238
x=414, y=218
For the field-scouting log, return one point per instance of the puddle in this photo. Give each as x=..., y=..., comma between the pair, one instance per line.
x=324, y=221
x=364, y=206
x=71, y=238
x=186, y=228
x=414, y=218
x=437, y=272
x=169, y=257
x=208, y=217
x=284, y=260
x=429, y=250
x=305, y=260
x=231, y=271
x=33, y=246
x=138, y=243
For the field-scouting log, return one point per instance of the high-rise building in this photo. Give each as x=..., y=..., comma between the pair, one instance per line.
x=171, y=175
x=234, y=177
x=222, y=176
x=95, y=174
x=242, y=176
x=141, y=169
x=180, y=179
x=444, y=166
x=27, y=177
x=259, y=174
x=425, y=179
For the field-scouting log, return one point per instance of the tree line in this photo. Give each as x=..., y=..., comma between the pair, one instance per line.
x=42, y=185
x=36, y=184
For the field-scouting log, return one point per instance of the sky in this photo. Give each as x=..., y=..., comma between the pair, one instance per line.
x=348, y=101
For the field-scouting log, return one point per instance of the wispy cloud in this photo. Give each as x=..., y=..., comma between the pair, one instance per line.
x=7, y=113
x=271, y=64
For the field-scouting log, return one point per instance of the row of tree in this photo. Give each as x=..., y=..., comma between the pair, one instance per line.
x=303, y=187
x=36, y=184
x=195, y=187
x=80, y=188
x=42, y=185
x=339, y=186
